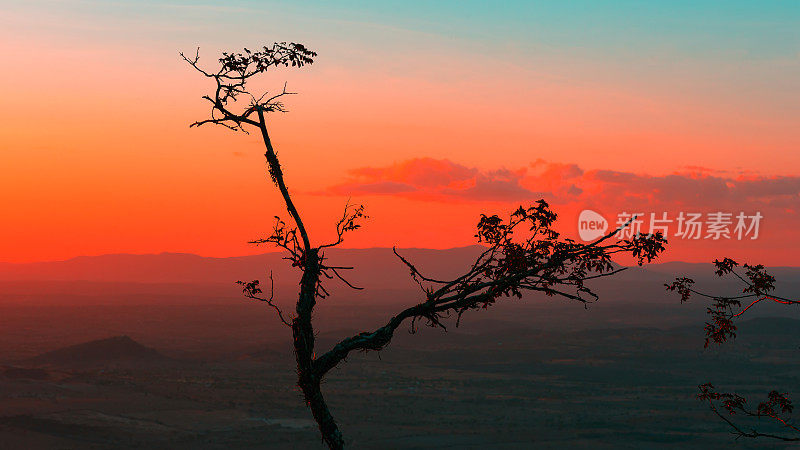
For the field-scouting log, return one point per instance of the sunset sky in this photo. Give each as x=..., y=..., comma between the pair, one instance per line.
x=428, y=113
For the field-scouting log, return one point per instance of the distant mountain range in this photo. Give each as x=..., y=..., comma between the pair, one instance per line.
x=373, y=267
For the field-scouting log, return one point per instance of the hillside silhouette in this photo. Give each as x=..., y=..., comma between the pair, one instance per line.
x=113, y=349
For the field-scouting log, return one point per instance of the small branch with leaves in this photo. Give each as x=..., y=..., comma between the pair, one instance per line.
x=777, y=407
x=758, y=286
x=251, y=289
x=231, y=79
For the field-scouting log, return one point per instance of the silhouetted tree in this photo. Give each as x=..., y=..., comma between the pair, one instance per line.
x=758, y=286
x=522, y=253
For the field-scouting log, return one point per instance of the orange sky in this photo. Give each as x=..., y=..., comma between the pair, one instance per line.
x=97, y=156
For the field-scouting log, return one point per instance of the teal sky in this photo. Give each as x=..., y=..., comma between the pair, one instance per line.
x=699, y=28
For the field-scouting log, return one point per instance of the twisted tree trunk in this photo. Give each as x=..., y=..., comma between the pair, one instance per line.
x=308, y=378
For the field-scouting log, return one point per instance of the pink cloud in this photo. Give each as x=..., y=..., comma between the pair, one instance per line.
x=693, y=189
x=559, y=183
x=436, y=179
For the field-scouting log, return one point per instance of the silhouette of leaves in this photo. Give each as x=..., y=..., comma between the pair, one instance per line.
x=721, y=327
x=777, y=407
x=523, y=254
x=235, y=70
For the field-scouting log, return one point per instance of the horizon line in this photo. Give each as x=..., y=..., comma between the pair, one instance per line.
x=166, y=253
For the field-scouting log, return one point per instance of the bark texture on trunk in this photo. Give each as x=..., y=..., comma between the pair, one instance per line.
x=308, y=377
